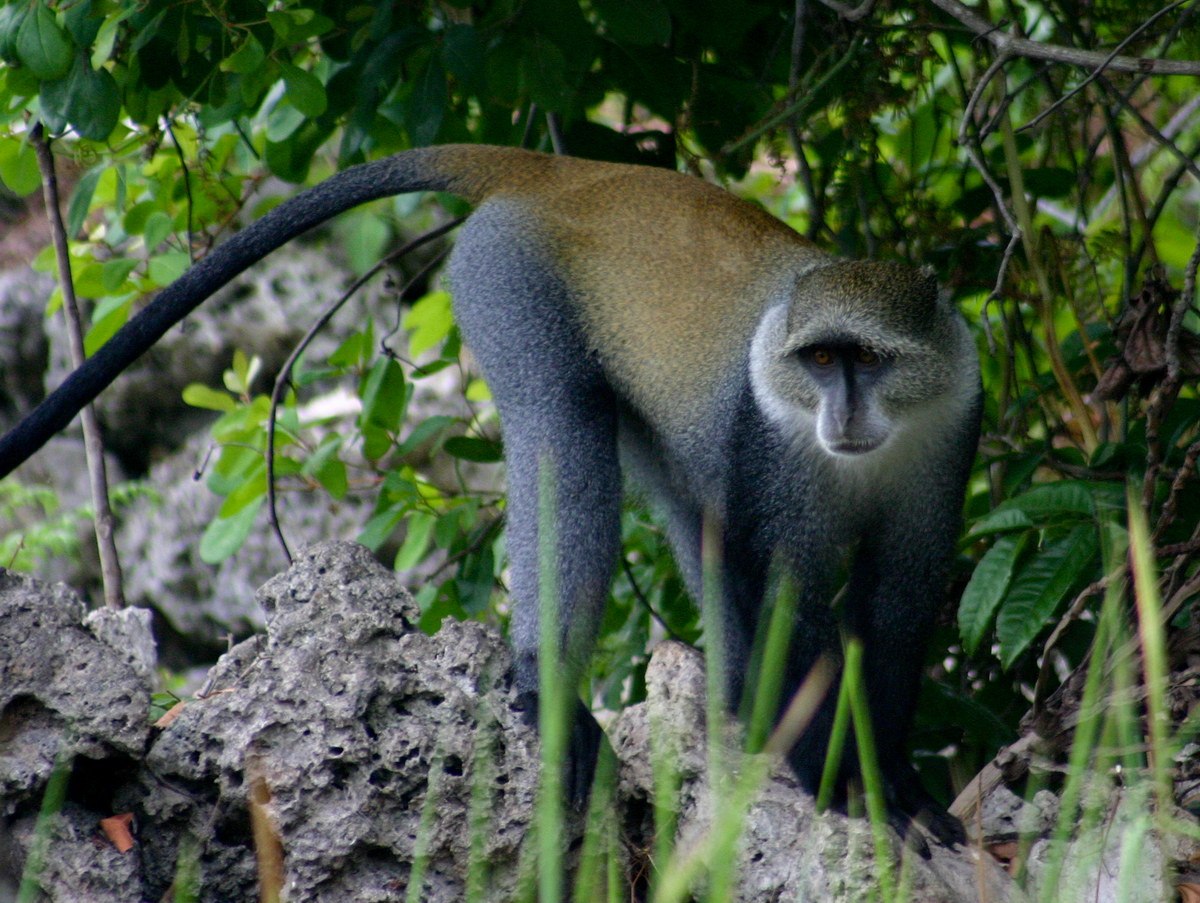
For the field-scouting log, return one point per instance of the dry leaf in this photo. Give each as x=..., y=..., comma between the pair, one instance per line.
x=170, y=714
x=117, y=828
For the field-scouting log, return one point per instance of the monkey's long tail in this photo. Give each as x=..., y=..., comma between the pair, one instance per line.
x=416, y=170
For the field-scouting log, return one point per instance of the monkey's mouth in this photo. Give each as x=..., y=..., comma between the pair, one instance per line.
x=853, y=447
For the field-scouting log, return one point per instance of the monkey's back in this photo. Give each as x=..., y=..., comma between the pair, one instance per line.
x=667, y=272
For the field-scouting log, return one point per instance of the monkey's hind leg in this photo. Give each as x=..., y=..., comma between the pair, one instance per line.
x=558, y=417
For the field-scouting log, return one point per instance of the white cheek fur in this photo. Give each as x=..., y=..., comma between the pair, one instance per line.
x=770, y=336
x=924, y=426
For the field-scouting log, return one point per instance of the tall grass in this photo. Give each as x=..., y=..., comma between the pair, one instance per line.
x=30, y=889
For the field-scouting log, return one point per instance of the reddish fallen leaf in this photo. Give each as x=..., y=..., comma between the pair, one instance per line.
x=1189, y=893
x=117, y=828
x=170, y=714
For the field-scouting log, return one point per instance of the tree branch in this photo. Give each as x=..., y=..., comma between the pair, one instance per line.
x=1010, y=45
x=93, y=445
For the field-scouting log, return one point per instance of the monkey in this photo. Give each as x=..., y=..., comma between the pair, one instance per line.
x=814, y=413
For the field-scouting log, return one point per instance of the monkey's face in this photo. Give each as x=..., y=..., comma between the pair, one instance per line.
x=857, y=354
x=845, y=379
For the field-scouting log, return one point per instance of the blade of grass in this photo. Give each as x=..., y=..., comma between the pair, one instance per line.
x=1153, y=642
x=774, y=666
x=595, y=877
x=186, y=885
x=55, y=795
x=712, y=612
x=837, y=743
x=664, y=769
x=420, y=862
x=1087, y=729
x=868, y=758
x=552, y=695
x=685, y=867
x=479, y=809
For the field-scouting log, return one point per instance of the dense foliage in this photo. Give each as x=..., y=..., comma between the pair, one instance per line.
x=1057, y=202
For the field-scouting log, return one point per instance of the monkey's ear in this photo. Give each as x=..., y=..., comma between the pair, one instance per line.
x=939, y=296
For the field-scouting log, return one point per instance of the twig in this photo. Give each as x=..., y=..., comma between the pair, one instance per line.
x=641, y=597
x=1161, y=399
x=187, y=187
x=1010, y=45
x=1095, y=73
x=855, y=13
x=93, y=445
x=796, y=106
x=816, y=201
x=555, y=130
x=284, y=378
x=1171, y=550
x=1071, y=616
x=1151, y=129
x=1167, y=516
x=972, y=147
x=1183, y=303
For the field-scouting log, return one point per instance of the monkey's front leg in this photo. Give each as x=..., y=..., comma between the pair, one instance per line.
x=891, y=607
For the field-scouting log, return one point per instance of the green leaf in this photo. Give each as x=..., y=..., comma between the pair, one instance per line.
x=251, y=490
x=166, y=268
x=113, y=273
x=247, y=58
x=1043, y=504
x=429, y=321
x=332, y=475
x=42, y=45
x=469, y=448
x=384, y=396
x=19, y=167
x=463, y=56
x=416, y=540
x=986, y=588
x=11, y=17
x=328, y=470
x=380, y=527
x=425, y=432
x=158, y=227
x=81, y=202
x=544, y=75
x=225, y=535
x=426, y=104
x=364, y=235
x=1040, y=587
x=234, y=463
x=635, y=22
x=105, y=325
x=304, y=91
x=477, y=390
x=82, y=21
x=376, y=442
x=199, y=395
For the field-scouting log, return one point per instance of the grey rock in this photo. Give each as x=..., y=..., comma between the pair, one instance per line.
x=127, y=632
x=63, y=692
x=23, y=347
x=786, y=851
x=375, y=752
x=348, y=715
x=78, y=865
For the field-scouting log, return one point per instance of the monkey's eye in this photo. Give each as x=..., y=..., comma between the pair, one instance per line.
x=866, y=356
x=822, y=357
